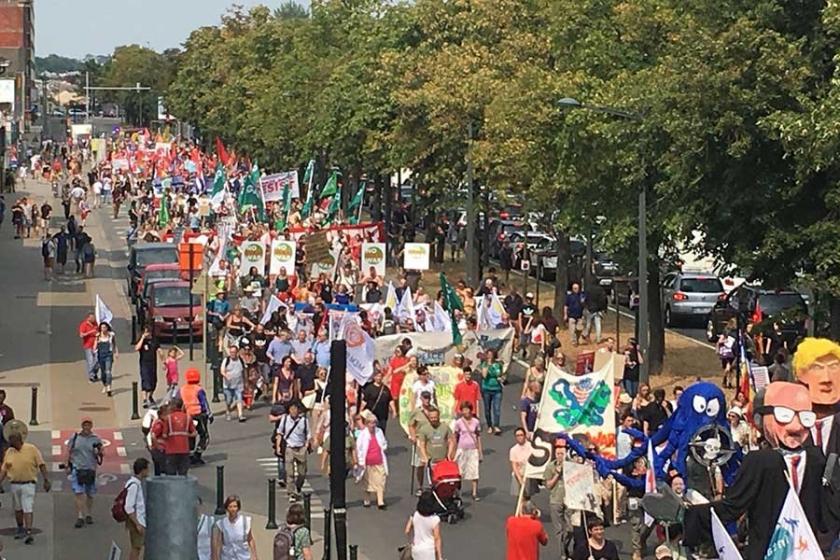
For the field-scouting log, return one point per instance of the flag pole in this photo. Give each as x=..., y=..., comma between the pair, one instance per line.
x=361, y=204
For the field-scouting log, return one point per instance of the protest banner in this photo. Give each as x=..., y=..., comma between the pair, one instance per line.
x=274, y=185
x=761, y=377
x=360, y=349
x=445, y=378
x=436, y=348
x=579, y=404
x=373, y=256
x=579, y=483
x=120, y=164
x=614, y=359
x=585, y=362
x=282, y=256
x=318, y=248
x=416, y=256
x=253, y=254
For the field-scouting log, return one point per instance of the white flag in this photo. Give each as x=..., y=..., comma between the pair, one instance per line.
x=361, y=349
x=405, y=308
x=793, y=538
x=490, y=312
x=441, y=320
x=273, y=305
x=103, y=314
x=216, y=267
x=650, y=480
x=391, y=298
x=726, y=549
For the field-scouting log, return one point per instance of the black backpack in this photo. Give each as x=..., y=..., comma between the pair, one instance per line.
x=284, y=543
x=45, y=248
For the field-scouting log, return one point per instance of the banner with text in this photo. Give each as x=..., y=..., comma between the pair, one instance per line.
x=416, y=256
x=253, y=254
x=436, y=348
x=282, y=256
x=373, y=256
x=274, y=185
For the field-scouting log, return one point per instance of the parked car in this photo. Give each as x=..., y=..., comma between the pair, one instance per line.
x=689, y=296
x=501, y=230
x=141, y=256
x=153, y=274
x=626, y=291
x=764, y=307
x=544, y=259
x=169, y=310
x=604, y=269
x=523, y=242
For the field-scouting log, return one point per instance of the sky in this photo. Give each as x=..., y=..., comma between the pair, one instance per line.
x=75, y=28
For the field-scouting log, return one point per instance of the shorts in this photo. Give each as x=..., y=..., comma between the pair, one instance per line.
x=48, y=262
x=89, y=489
x=134, y=535
x=23, y=496
x=233, y=395
x=148, y=378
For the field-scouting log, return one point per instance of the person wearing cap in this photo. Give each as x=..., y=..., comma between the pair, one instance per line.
x=84, y=455
x=197, y=407
x=251, y=302
x=218, y=310
x=293, y=441
x=740, y=430
x=662, y=552
x=596, y=547
x=525, y=533
x=553, y=478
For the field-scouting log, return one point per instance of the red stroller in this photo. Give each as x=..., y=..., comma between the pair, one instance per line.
x=446, y=488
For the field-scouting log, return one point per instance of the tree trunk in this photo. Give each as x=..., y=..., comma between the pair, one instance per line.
x=561, y=280
x=386, y=194
x=656, y=343
x=834, y=317
x=376, y=203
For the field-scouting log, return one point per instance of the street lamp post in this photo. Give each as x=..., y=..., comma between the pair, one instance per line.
x=644, y=332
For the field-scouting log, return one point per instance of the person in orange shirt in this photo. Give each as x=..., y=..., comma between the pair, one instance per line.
x=87, y=332
x=525, y=534
x=467, y=391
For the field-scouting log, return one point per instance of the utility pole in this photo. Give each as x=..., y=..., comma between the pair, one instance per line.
x=472, y=249
x=644, y=332
x=87, y=97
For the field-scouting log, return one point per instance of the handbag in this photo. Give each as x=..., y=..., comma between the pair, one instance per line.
x=404, y=552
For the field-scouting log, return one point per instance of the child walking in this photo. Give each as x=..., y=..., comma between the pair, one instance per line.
x=170, y=364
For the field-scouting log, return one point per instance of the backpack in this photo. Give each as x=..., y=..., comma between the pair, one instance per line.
x=284, y=543
x=45, y=248
x=118, y=508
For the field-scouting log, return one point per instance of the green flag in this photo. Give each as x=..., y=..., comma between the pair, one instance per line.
x=217, y=194
x=163, y=214
x=335, y=205
x=309, y=173
x=357, y=200
x=332, y=185
x=250, y=194
x=451, y=303
x=307, y=206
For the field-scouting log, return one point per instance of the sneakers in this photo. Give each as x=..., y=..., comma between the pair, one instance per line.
x=104, y=389
x=227, y=416
x=88, y=520
x=79, y=523
x=242, y=419
x=20, y=533
x=29, y=538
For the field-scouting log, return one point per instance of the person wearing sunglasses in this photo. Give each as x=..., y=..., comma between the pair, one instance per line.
x=817, y=365
x=784, y=417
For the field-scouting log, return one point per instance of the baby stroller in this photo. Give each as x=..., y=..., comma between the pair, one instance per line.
x=446, y=488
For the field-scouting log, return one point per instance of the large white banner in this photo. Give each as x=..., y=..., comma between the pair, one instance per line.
x=436, y=348
x=252, y=254
x=273, y=185
x=373, y=256
x=282, y=256
x=360, y=350
x=579, y=482
x=416, y=256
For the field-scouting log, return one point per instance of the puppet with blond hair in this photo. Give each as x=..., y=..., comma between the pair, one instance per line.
x=816, y=365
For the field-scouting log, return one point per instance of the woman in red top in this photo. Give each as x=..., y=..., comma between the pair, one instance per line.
x=397, y=368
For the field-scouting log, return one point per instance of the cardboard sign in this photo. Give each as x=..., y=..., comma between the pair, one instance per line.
x=761, y=377
x=318, y=248
x=579, y=481
x=585, y=363
x=253, y=254
x=416, y=256
x=373, y=256
x=274, y=185
x=283, y=255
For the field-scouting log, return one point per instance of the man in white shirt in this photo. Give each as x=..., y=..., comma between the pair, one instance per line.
x=135, y=507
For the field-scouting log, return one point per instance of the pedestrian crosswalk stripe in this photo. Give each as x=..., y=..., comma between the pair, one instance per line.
x=56, y=450
x=121, y=451
x=269, y=467
x=118, y=436
x=56, y=434
x=124, y=468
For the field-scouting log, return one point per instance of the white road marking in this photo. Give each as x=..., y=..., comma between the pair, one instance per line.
x=125, y=469
x=118, y=436
x=55, y=468
x=56, y=434
x=121, y=451
x=56, y=450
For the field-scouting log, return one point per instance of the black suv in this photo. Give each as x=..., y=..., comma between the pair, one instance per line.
x=764, y=307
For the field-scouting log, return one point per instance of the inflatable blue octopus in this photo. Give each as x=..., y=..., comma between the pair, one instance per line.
x=699, y=422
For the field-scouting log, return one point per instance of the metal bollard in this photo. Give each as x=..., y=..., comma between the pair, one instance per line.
x=354, y=552
x=307, y=509
x=33, y=420
x=272, y=506
x=135, y=406
x=216, y=385
x=220, y=490
x=327, y=533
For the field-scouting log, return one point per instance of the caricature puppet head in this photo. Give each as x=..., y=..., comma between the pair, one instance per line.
x=786, y=415
x=817, y=365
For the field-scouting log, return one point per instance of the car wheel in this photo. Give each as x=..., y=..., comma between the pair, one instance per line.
x=710, y=330
x=669, y=321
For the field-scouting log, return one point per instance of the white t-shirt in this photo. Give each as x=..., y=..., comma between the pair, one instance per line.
x=205, y=536
x=135, y=502
x=97, y=187
x=424, y=538
x=418, y=387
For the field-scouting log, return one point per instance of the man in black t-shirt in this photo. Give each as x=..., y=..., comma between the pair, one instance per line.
x=148, y=352
x=305, y=374
x=655, y=414
x=377, y=398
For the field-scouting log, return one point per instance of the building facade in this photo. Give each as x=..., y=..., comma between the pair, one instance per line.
x=17, y=62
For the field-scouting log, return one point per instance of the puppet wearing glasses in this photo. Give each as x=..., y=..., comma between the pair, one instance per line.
x=785, y=418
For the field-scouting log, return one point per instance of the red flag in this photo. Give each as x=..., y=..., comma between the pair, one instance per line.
x=758, y=314
x=223, y=154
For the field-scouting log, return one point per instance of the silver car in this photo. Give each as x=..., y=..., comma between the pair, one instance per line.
x=690, y=296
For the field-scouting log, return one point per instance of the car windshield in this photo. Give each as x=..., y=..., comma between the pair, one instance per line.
x=175, y=297
x=164, y=255
x=773, y=304
x=701, y=285
x=161, y=274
